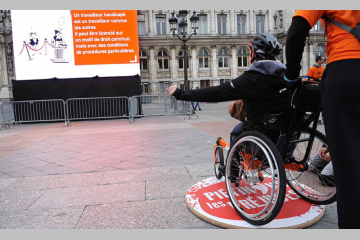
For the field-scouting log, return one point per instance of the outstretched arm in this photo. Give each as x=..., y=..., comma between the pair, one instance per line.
x=224, y=92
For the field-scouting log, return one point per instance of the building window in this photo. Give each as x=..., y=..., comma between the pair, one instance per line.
x=160, y=24
x=203, y=59
x=260, y=24
x=241, y=23
x=143, y=61
x=163, y=60
x=202, y=27
x=145, y=88
x=318, y=27
x=204, y=83
x=224, y=81
x=167, y=85
x=181, y=60
x=319, y=51
x=141, y=24
x=221, y=20
x=223, y=58
x=242, y=57
x=161, y=87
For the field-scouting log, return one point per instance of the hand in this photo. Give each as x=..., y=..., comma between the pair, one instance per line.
x=323, y=151
x=327, y=157
x=171, y=89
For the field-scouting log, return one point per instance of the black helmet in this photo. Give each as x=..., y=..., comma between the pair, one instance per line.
x=265, y=46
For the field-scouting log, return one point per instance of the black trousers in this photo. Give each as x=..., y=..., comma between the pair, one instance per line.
x=341, y=111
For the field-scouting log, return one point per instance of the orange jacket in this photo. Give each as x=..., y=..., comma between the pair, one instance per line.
x=341, y=44
x=315, y=72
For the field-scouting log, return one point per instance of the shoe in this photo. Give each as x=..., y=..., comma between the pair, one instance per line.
x=200, y=109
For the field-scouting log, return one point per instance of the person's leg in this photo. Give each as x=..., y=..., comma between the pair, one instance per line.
x=341, y=111
x=317, y=164
x=198, y=105
x=192, y=104
x=235, y=132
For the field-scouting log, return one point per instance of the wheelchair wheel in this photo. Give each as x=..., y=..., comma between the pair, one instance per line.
x=312, y=185
x=219, y=161
x=255, y=178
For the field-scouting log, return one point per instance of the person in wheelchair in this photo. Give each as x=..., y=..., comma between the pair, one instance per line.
x=258, y=87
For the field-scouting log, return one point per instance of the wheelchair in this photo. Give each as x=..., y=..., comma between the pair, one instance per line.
x=256, y=170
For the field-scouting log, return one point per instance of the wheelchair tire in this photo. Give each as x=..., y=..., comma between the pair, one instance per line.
x=219, y=161
x=303, y=183
x=253, y=169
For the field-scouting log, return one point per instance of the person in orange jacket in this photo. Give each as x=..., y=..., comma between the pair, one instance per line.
x=316, y=71
x=340, y=86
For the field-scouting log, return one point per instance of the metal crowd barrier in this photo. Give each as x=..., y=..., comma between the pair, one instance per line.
x=97, y=108
x=92, y=108
x=39, y=110
x=157, y=105
x=7, y=118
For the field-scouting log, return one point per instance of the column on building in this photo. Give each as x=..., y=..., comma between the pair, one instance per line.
x=213, y=22
x=271, y=20
x=234, y=62
x=153, y=70
x=4, y=72
x=233, y=22
x=312, y=55
x=173, y=69
x=151, y=23
x=194, y=64
x=252, y=22
x=287, y=18
x=228, y=23
x=214, y=62
x=305, y=59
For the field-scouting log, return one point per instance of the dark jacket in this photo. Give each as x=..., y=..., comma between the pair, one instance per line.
x=258, y=87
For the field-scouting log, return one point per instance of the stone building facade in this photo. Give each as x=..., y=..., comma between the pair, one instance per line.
x=218, y=53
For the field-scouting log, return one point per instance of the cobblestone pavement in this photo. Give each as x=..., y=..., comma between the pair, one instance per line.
x=112, y=174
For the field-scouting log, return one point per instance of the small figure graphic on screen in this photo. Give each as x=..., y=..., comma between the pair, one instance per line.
x=58, y=43
x=34, y=41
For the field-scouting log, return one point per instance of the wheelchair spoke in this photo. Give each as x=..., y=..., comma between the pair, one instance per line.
x=252, y=177
x=312, y=184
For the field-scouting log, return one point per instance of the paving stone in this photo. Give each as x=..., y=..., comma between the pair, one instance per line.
x=331, y=214
x=171, y=188
x=201, y=170
x=5, y=182
x=18, y=200
x=62, y=218
x=26, y=172
x=57, y=181
x=91, y=195
x=3, y=175
x=150, y=214
x=141, y=175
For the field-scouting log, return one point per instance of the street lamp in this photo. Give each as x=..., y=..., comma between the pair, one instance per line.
x=182, y=35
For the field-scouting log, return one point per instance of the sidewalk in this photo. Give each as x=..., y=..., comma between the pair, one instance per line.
x=112, y=174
